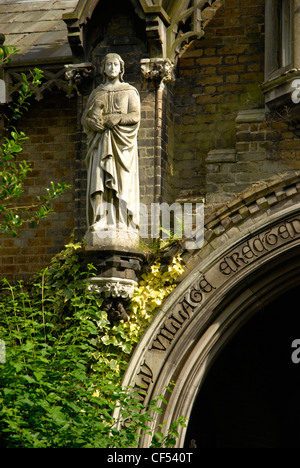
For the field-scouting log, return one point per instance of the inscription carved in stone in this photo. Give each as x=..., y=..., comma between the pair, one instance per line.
x=238, y=258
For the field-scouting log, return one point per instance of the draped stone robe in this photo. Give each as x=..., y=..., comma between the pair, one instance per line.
x=112, y=156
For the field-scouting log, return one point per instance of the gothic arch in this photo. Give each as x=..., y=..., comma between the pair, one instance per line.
x=243, y=268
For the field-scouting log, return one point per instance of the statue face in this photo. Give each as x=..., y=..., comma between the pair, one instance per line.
x=112, y=68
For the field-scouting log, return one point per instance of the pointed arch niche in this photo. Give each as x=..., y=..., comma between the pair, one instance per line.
x=251, y=260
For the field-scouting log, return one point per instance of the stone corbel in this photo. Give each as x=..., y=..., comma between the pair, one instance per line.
x=114, y=287
x=77, y=74
x=159, y=70
x=117, y=292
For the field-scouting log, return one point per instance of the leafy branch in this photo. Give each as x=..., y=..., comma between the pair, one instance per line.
x=6, y=53
x=13, y=173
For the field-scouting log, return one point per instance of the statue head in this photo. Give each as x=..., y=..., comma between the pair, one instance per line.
x=113, y=57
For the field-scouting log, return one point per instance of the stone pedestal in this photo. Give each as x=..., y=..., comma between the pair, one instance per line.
x=113, y=238
x=118, y=270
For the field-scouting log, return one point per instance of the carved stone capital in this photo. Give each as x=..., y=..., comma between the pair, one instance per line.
x=77, y=73
x=160, y=70
x=113, y=287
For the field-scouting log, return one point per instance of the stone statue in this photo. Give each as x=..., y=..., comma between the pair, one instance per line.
x=111, y=121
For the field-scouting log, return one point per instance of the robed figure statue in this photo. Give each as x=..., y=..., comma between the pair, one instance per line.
x=111, y=121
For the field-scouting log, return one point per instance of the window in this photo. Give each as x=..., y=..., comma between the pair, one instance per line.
x=278, y=36
x=285, y=34
x=282, y=51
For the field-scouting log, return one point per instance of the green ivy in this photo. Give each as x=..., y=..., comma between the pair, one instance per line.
x=64, y=362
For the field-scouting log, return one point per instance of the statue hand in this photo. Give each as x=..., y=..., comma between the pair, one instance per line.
x=112, y=120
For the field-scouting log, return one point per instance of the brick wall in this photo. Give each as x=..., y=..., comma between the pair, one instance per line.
x=50, y=125
x=217, y=76
x=220, y=149
x=266, y=145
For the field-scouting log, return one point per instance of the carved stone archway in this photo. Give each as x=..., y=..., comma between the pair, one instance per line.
x=243, y=269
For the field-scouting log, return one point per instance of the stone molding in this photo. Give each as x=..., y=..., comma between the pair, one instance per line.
x=259, y=197
x=221, y=156
x=251, y=115
x=117, y=272
x=113, y=287
x=262, y=196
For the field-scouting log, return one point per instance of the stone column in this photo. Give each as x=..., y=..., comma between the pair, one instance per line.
x=160, y=71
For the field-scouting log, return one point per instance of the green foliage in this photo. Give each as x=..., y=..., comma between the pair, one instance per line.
x=64, y=362
x=154, y=287
x=13, y=173
x=161, y=440
x=6, y=53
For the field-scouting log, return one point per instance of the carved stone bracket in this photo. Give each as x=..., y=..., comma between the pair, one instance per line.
x=158, y=69
x=117, y=293
x=113, y=287
x=170, y=27
x=117, y=275
x=76, y=74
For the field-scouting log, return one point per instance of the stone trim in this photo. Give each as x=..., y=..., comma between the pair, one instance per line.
x=114, y=287
x=157, y=69
x=221, y=156
x=253, y=200
x=233, y=214
x=251, y=115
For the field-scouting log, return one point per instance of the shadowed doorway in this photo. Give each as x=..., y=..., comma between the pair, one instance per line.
x=250, y=397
